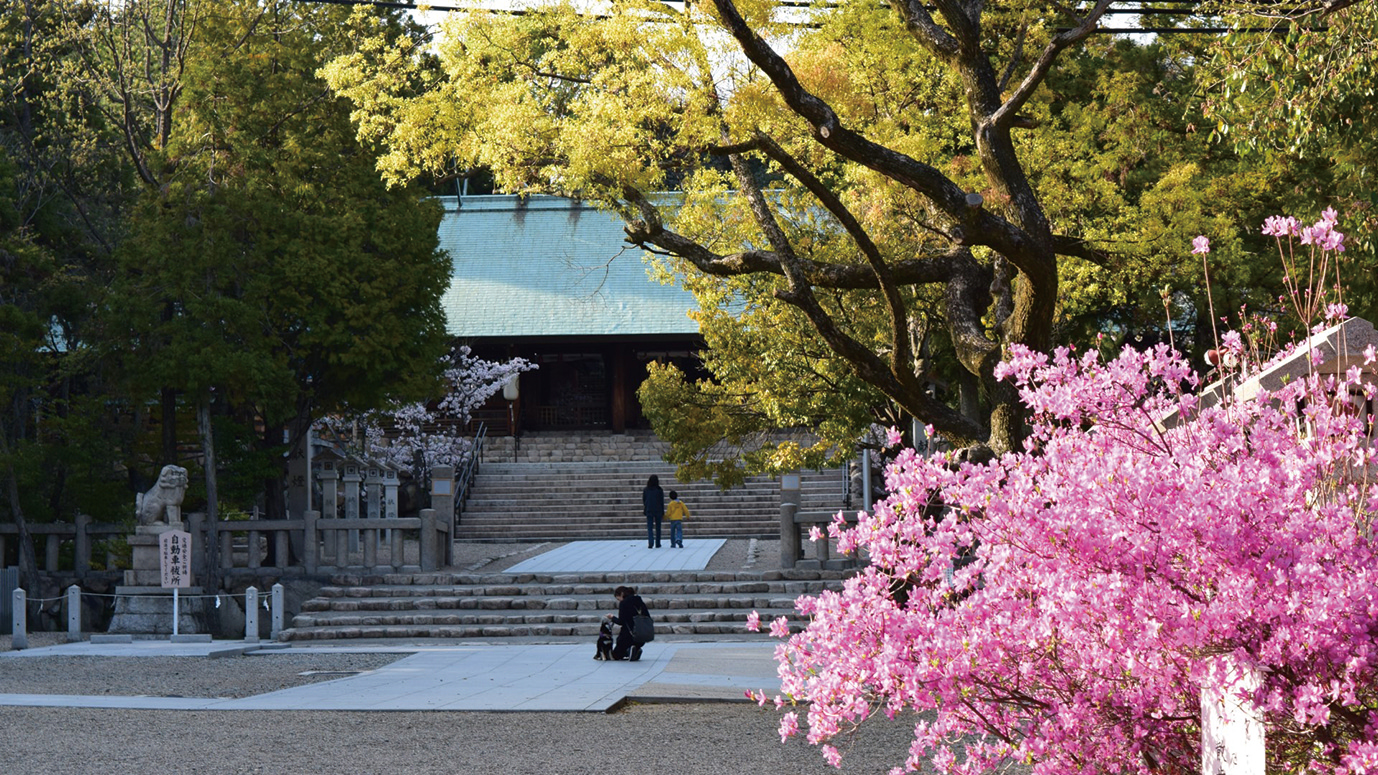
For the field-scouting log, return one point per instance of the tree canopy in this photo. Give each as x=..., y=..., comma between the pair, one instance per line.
x=921, y=186
x=193, y=219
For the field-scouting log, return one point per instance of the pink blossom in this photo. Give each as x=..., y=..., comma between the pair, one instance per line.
x=779, y=628
x=1201, y=245
x=815, y=533
x=753, y=622
x=1052, y=606
x=892, y=437
x=789, y=726
x=1279, y=226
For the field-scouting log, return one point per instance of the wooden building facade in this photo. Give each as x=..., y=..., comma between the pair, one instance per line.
x=552, y=280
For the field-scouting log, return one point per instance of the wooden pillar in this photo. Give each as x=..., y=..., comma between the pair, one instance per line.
x=621, y=387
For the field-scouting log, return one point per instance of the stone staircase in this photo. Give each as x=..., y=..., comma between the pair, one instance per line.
x=493, y=606
x=565, y=487
x=568, y=487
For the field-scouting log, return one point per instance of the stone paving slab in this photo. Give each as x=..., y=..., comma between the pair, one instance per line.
x=623, y=555
x=528, y=677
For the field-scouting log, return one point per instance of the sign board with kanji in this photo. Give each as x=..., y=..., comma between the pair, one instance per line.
x=174, y=555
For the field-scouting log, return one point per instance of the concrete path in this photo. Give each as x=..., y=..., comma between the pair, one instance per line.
x=527, y=677
x=625, y=555
x=479, y=676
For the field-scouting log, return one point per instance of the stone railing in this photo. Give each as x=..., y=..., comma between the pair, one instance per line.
x=50, y=539
x=313, y=545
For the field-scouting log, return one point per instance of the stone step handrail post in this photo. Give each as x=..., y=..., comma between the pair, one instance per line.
x=19, y=615
x=789, y=535
x=73, y=613
x=251, y=615
x=279, y=612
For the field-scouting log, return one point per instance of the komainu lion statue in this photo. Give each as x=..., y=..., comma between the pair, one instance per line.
x=163, y=503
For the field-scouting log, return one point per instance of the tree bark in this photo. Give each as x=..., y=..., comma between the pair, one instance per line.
x=28, y=558
x=212, y=548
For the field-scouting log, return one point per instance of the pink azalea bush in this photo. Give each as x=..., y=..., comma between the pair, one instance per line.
x=1063, y=607
x=1059, y=607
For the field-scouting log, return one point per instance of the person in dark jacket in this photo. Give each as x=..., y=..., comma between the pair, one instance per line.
x=629, y=605
x=653, y=506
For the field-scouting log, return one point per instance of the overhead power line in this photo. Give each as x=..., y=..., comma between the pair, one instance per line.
x=1282, y=12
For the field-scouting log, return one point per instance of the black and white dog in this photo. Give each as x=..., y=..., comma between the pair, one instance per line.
x=604, y=641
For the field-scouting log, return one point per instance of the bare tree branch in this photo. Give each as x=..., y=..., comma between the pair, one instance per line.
x=1006, y=114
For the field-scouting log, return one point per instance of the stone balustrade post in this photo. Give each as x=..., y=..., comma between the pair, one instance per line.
x=251, y=614
x=429, y=541
x=351, y=481
x=279, y=612
x=443, y=501
x=789, y=535
x=73, y=614
x=390, y=485
x=19, y=617
x=374, y=492
x=789, y=530
x=312, y=539
x=330, y=501
x=82, y=554
x=54, y=545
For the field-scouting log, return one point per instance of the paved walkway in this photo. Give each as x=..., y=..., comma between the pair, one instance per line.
x=464, y=676
x=626, y=555
x=527, y=677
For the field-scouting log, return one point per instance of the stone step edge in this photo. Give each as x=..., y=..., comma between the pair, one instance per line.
x=532, y=606
x=572, y=591
x=592, y=619
x=442, y=578
x=494, y=631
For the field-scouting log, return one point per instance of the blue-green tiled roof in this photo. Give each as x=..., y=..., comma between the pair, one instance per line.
x=548, y=266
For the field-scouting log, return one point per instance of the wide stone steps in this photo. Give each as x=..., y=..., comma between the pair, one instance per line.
x=524, y=605
x=565, y=501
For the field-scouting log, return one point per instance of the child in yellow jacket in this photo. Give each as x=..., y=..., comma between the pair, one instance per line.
x=675, y=512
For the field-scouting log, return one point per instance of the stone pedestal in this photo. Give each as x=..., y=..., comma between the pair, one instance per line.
x=142, y=606
x=147, y=570
x=148, y=611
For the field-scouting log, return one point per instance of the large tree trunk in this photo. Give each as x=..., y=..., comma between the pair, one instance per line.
x=169, y=405
x=274, y=501
x=28, y=558
x=212, y=548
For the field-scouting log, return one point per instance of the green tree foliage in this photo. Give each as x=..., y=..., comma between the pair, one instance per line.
x=60, y=190
x=913, y=188
x=272, y=265
x=1293, y=88
x=184, y=212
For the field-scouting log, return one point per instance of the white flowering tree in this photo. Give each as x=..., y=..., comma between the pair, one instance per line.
x=416, y=436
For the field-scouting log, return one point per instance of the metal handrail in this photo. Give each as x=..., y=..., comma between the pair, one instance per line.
x=466, y=477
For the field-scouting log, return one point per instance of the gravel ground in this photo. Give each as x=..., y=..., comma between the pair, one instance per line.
x=641, y=740
x=675, y=739
x=239, y=676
